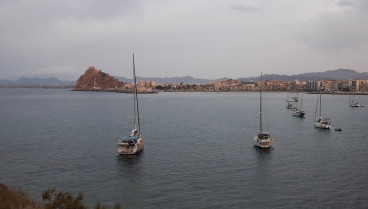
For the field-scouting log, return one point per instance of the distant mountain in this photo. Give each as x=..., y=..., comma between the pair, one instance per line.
x=340, y=74
x=36, y=82
x=185, y=79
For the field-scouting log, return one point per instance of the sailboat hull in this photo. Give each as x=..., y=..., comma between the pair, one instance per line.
x=290, y=106
x=263, y=143
x=126, y=148
x=322, y=125
x=356, y=105
x=299, y=113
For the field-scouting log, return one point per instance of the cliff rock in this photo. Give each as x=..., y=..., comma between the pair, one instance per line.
x=95, y=80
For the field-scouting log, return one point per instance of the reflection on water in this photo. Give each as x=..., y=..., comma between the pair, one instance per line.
x=263, y=155
x=263, y=172
x=130, y=160
x=262, y=152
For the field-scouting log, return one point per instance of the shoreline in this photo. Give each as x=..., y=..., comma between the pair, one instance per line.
x=118, y=91
x=183, y=91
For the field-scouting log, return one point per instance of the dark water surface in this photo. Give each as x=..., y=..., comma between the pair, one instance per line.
x=198, y=150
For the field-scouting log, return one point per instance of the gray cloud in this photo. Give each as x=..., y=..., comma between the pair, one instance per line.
x=344, y=3
x=243, y=8
x=338, y=30
x=357, y=4
x=179, y=38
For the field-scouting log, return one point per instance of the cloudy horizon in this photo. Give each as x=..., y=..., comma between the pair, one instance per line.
x=198, y=38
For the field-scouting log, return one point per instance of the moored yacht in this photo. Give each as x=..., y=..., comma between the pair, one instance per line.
x=299, y=112
x=263, y=139
x=323, y=123
x=133, y=143
x=353, y=102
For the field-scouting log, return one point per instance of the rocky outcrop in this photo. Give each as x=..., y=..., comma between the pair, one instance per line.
x=96, y=80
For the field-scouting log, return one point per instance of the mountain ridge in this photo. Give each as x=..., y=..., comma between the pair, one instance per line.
x=339, y=74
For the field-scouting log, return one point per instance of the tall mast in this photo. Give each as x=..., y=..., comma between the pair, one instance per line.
x=136, y=111
x=260, y=105
x=301, y=105
x=320, y=105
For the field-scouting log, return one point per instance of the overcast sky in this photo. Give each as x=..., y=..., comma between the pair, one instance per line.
x=199, y=38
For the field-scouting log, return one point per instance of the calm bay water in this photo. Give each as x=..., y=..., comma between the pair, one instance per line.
x=198, y=150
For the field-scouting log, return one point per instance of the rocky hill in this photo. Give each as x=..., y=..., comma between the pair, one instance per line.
x=95, y=80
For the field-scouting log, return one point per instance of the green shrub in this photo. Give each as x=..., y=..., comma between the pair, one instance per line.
x=17, y=199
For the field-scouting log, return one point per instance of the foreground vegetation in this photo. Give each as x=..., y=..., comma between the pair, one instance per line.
x=17, y=199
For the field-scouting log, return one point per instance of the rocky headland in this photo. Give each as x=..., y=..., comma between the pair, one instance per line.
x=95, y=80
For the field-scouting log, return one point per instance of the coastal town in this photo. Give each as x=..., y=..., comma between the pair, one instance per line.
x=327, y=86
x=96, y=80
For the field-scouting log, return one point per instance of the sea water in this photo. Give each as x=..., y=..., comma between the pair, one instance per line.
x=199, y=150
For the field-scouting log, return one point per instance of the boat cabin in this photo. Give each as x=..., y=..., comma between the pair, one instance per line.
x=128, y=140
x=263, y=135
x=324, y=120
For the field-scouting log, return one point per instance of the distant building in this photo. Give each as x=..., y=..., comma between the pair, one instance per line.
x=150, y=84
x=357, y=85
x=334, y=85
x=314, y=85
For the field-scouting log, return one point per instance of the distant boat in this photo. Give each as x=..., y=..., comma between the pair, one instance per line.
x=290, y=106
x=353, y=102
x=291, y=98
x=299, y=112
x=262, y=139
x=290, y=101
x=295, y=98
x=323, y=123
x=133, y=143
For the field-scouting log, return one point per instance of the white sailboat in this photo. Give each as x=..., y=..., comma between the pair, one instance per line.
x=290, y=101
x=133, y=143
x=353, y=102
x=323, y=123
x=263, y=139
x=290, y=105
x=299, y=112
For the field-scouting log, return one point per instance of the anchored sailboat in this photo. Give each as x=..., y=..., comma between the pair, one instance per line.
x=263, y=139
x=324, y=123
x=299, y=112
x=353, y=102
x=291, y=100
x=134, y=142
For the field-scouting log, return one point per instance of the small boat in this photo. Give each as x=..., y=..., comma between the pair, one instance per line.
x=263, y=139
x=299, y=112
x=353, y=102
x=290, y=106
x=133, y=143
x=295, y=98
x=291, y=98
x=323, y=123
x=290, y=101
x=338, y=129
